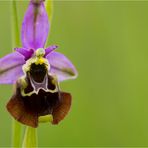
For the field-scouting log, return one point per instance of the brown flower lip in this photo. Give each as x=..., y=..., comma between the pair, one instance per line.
x=28, y=106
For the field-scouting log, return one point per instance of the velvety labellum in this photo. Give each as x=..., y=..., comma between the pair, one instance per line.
x=37, y=94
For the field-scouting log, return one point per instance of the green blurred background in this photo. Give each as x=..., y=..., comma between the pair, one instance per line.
x=108, y=43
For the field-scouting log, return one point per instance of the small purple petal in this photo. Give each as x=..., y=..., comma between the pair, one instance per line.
x=50, y=49
x=11, y=68
x=35, y=26
x=25, y=52
x=61, y=66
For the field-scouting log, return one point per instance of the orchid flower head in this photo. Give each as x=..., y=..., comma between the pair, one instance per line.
x=36, y=72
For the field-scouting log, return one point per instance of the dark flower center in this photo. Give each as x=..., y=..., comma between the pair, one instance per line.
x=41, y=103
x=38, y=72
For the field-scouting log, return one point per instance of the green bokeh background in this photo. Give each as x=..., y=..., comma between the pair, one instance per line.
x=108, y=43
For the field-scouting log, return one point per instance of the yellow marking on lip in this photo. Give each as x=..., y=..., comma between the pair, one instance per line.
x=46, y=118
x=40, y=61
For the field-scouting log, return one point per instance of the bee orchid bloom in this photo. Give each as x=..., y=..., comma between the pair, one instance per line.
x=36, y=72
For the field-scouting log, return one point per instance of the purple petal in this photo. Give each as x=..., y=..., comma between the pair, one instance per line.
x=25, y=52
x=61, y=66
x=11, y=68
x=35, y=26
x=50, y=49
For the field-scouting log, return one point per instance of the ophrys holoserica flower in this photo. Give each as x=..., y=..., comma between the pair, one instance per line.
x=36, y=72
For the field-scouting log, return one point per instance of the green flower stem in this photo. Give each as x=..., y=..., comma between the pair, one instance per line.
x=14, y=24
x=49, y=8
x=16, y=134
x=16, y=127
x=30, y=138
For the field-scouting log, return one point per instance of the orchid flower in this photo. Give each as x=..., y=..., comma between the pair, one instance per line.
x=36, y=72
